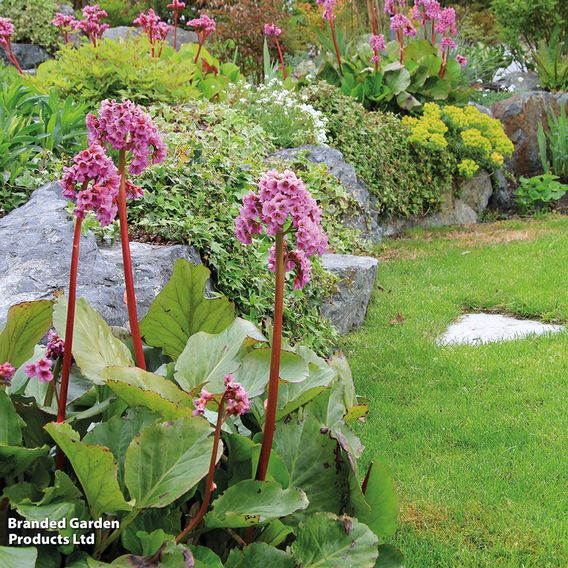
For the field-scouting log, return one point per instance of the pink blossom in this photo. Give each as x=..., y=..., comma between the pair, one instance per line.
x=91, y=25
x=6, y=31
x=7, y=371
x=402, y=23
x=430, y=9
x=201, y=402
x=55, y=346
x=93, y=183
x=283, y=204
x=446, y=24
x=272, y=30
x=461, y=60
x=376, y=58
x=447, y=42
x=394, y=6
x=176, y=6
x=66, y=24
x=125, y=126
x=236, y=398
x=41, y=369
x=152, y=26
x=203, y=25
x=377, y=42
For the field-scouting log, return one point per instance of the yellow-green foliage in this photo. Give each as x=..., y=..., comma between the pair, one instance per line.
x=476, y=139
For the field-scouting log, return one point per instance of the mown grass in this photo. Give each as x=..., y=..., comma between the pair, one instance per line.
x=477, y=437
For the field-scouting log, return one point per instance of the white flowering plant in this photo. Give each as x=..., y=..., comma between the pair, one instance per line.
x=285, y=115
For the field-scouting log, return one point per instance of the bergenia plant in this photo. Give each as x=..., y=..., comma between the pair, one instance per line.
x=403, y=28
x=204, y=27
x=125, y=127
x=176, y=7
x=283, y=208
x=92, y=25
x=446, y=27
x=155, y=29
x=272, y=30
x=6, y=31
x=66, y=24
x=377, y=43
x=329, y=17
x=7, y=371
x=233, y=401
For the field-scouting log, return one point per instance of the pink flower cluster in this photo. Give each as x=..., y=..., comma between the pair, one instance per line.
x=236, y=399
x=377, y=43
x=125, y=126
x=40, y=369
x=6, y=31
x=283, y=204
x=272, y=30
x=176, y=6
x=55, y=346
x=328, y=8
x=98, y=181
x=400, y=23
x=446, y=22
x=394, y=6
x=461, y=60
x=66, y=25
x=7, y=371
x=153, y=27
x=91, y=25
x=204, y=25
x=426, y=10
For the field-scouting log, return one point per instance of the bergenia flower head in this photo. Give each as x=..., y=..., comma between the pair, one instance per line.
x=125, y=126
x=202, y=401
x=41, y=369
x=377, y=42
x=203, y=25
x=283, y=204
x=428, y=9
x=446, y=22
x=394, y=6
x=152, y=26
x=461, y=60
x=92, y=182
x=7, y=371
x=92, y=25
x=236, y=398
x=402, y=23
x=272, y=30
x=447, y=42
x=176, y=6
x=65, y=22
x=55, y=346
x=328, y=8
x=6, y=31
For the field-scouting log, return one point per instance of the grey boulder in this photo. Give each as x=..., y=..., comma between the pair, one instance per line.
x=29, y=56
x=347, y=307
x=126, y=32
x=35, y=245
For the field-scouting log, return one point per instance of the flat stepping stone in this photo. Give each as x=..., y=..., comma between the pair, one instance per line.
x=477, y=329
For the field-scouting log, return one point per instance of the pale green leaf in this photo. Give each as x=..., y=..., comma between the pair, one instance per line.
x=259, y=554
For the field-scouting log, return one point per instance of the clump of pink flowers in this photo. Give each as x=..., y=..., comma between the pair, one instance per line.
x=6, y=31
x=40, y=369
x=234, y=398
x=329, y=15
x=55, y=347
x=92, y=182
x=283, y=205
x=377, y=43
x=176, y=7
x=272, y=30
x=204, y=27
x=66, y=24
x=155, y=29
x=125, y=126
x=7, y=371
x=91, y=24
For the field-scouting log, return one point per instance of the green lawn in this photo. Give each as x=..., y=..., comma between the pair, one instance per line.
x=476, y=437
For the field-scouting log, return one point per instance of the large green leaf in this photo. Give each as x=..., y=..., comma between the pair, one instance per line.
x=381, y=496
x=389, y=557
x=117, y=433
x=14, y=460
x=181, y=309
x=207, y=358
x=259, y=554
x=141, y=388
x=167, y=460
x=250, y=502
x=10, y=422
x=12, y=557
x=26, y=324
x=94, y=345
x=397, y=79
x=328, y=541
x=95, y=467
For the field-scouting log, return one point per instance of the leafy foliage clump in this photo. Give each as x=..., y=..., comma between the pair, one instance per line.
x=32, y=21
x=215, y=157
x=405, y=179
x=125, y=69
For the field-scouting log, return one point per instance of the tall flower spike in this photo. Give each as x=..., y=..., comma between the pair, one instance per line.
x=91, y=24
x=272, y=30
x=6, y=31
x=176, y=7
x=204, y=27
x=66, y=25
x=155, y=29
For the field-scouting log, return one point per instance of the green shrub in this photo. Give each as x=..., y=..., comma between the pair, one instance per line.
x=121, y=12
x=484, y=61
x=551, y=61
x=215, y=157
x=32, y=21
x=125, y=69
x=406, y=180
x=553, y=144
x=539, y=192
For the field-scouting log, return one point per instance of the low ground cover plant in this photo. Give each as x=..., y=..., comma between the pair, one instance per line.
x=539, y=193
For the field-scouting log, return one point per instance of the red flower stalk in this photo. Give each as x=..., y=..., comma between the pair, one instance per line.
x=66, y=25
x=126, y=128
x=176, y=7
x=284, y=207
x=91, y=25
x=329, y=16
x=204, y=26
x=272, y=30
x=155, y=29
x=237, y=404
x=6, y=31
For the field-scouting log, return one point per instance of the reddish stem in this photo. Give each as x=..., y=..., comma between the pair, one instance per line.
x=373, y=17
x=445, y=58
x=335, y=45
x=175, y=29
x=281, y=58
x=210, y=475
x=400, y=35
x=201, y=42
x=128, y=278
x=68, y=353
x=13, y=58
x=270, y=415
